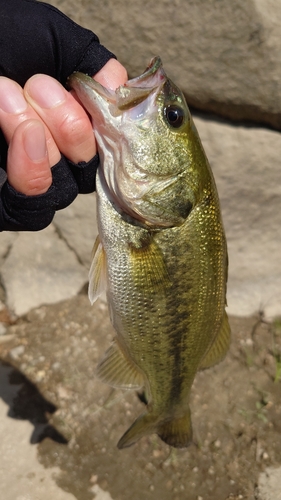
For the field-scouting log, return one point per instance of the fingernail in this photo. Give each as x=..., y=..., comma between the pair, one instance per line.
x=11, y=97
x=45, y=91
x=34, y=141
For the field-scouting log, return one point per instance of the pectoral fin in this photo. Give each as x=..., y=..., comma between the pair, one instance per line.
x=219, y=347
x=148, y=266
x=118, y=371
x=97, y=274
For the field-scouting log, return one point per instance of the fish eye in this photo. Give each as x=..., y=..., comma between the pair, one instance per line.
x=174, y=115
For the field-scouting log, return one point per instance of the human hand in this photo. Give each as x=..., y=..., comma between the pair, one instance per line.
x=42, y=121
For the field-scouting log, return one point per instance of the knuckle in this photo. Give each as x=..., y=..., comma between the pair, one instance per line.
x=39, y=184
x=75, y=129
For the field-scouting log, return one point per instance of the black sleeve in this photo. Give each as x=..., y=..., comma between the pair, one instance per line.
x=35, y=38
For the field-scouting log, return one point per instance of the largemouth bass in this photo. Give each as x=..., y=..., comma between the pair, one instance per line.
x=161, y=251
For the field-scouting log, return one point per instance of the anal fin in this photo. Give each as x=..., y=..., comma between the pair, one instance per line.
x=220, y=346
x=118, y=371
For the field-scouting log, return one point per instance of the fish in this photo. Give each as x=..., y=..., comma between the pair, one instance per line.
x=161, y=253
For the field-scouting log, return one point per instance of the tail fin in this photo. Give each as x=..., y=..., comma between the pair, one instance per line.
x=176, y=432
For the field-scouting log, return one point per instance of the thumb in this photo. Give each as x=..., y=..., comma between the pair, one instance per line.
x=28, y=166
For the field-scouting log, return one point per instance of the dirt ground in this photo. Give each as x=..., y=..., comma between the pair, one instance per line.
x=236, y=410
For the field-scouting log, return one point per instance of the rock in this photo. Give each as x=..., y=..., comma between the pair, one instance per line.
x=77, y=225
x=225, y=56
x=6, y=241
x=16, y=352
x=246, y=165
x=3, y=329
x=40, y=269
x=269, y=487
x=100, y=494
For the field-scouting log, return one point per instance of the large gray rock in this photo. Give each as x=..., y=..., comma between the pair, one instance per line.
x=225, y=56
x=6, y=241
x=231, y=55
x=246, y=164
x=78, y=226
x=40, y=269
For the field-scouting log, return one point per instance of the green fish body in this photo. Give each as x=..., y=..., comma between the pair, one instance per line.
x=161, y=252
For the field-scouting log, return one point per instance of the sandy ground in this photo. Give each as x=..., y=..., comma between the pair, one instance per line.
x=236, y=410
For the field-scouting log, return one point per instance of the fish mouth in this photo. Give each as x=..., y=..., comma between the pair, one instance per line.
x=152, y=68
x=125, y=97
x=136, y=90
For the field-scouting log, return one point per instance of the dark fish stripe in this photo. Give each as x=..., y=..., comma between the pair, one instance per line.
x=177, y=335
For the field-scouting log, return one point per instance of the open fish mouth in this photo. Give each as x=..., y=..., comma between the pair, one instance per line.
x=129, y=95
x=136, y=90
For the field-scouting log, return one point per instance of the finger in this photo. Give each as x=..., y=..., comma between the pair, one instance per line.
x=14, y=109
x=112, y=75
x=64, y=117
x=28, y=166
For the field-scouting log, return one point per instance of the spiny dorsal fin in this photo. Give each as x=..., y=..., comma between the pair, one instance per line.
x=148, y=266
x=97, y=274
x=219, y=347
x=118, y=371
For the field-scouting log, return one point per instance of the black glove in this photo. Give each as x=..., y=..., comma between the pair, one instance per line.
x=62, y=47
x=19, y=212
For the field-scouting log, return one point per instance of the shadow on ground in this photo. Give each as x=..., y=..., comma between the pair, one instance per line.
x=26, y=403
